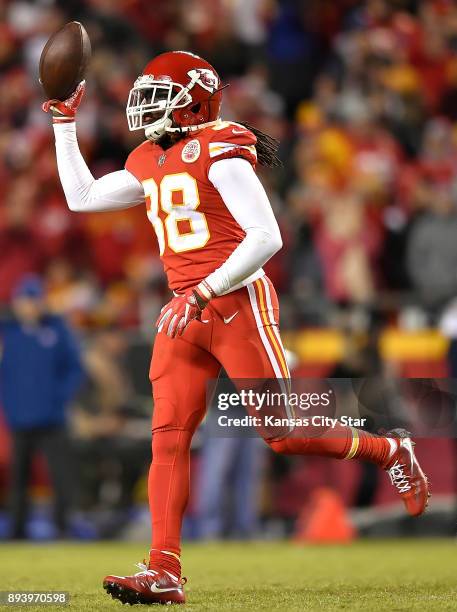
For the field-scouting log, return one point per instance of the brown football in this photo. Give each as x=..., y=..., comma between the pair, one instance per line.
x=64, y=60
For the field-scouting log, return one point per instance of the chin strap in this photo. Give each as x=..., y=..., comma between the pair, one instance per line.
x=156, y=130
x=152, y=131
x=192, y=128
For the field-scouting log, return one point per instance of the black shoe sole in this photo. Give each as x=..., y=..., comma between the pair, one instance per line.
x=126, y=596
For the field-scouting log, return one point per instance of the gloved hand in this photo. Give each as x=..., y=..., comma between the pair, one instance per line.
x=65, y=111
x=183, y=308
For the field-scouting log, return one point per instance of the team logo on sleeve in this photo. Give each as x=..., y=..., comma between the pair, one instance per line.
x=191, y=151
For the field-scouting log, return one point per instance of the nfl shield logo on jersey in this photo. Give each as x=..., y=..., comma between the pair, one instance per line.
x=191, y=151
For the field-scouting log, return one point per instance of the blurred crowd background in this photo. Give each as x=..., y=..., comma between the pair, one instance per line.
x=363, y=97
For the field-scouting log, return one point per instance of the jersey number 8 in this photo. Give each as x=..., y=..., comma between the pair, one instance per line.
x=177, y=209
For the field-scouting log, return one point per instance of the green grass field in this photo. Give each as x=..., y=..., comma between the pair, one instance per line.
x=369, y=575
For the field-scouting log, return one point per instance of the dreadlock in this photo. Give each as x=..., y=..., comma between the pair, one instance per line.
x=266, y=147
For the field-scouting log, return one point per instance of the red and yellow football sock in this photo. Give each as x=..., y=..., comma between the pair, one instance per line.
x=377, y=449
x=168, y=492
x=340, y=443
x=165, y=559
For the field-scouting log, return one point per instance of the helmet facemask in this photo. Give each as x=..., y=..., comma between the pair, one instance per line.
x=151, y=102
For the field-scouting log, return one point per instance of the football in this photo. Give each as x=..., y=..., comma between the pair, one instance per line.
x=64, y=60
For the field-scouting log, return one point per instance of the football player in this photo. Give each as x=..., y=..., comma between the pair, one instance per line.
x=215, y=229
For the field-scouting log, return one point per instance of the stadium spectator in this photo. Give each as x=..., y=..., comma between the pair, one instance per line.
x=40, y=372
x=432, y=251
x=111, y=433
x=230, y=471
x=228, y=491
x=19, y=245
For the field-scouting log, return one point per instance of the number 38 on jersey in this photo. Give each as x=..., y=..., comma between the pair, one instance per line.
x=181, y=226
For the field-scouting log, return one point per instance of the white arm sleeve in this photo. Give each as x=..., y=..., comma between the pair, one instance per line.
x=245, y=197
x=114, y=191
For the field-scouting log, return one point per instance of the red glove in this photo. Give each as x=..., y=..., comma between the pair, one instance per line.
x=65, y=111
x=184, y=308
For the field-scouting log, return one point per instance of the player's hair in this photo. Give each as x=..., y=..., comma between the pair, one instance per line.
x=266, y=147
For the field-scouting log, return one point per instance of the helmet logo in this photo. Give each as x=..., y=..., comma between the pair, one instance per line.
x=205, y=77
x=191, y=151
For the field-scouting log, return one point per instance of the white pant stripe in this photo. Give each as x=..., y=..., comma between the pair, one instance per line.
x=285, y=388
x=271, y=315
x=263, y=336
x=272, y=320
x=278, y=338
x=273, y=360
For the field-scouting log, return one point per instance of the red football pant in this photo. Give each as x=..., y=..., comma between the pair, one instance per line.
x=238, y=332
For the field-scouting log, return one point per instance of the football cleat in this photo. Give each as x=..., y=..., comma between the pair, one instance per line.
x=149, y=586
x=406, y=474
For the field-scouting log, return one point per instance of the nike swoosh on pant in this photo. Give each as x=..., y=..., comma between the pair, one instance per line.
x=228, y=319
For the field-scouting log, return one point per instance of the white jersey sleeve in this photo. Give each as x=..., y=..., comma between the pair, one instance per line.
x=84, y=193
x=245, y=198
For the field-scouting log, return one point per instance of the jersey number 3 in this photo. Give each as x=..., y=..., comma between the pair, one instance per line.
x=183, y=228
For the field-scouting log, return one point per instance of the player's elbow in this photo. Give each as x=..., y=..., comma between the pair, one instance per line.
x=74, y=205
x=268, y=241
x=276, y=242
x=80, y=200
x=80, y=197
x=273, y=242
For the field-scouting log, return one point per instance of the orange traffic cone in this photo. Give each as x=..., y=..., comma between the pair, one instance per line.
x=325, y=519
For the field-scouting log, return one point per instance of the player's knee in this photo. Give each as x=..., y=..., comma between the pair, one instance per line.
x=167, y=444
x=172, y=415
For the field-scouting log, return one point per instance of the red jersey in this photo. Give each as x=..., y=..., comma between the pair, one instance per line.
x=195, y=230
